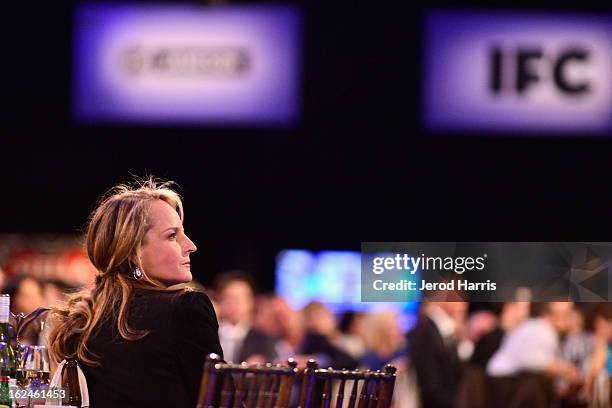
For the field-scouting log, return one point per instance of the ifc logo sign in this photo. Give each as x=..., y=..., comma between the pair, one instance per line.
x=517, y=72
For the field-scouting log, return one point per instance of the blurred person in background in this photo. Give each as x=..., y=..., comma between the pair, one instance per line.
x=511, y=315
x=576, y=345
x=34, y=298
x=2, y=280
x=534, y=344
x=480, y=323
x=320, y=338
x=473, y=388
x=290, y=323
x=274, y=318
x=55, y=292
x=433, y=350
x=384, y=340
x=352, y=328
x=265, y=319
x=476, y=325
x=26, y=294
x=588, y=349
x=240, y=340
x=529, y=357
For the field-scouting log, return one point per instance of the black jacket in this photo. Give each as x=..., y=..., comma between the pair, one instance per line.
x=256, y=342
x=486, y=346
x=165, y=367
x=437, y=366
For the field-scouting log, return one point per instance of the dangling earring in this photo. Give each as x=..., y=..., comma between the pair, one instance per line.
x=137, y=273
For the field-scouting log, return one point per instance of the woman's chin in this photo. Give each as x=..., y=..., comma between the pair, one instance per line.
x=184, y=279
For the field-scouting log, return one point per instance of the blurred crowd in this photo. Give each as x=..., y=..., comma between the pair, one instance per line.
x=263, y=328
x=29, y=292
x=456, y=355
x=520, y=354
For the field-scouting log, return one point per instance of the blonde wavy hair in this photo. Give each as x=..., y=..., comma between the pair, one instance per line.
x=115, y=232
x=383, y=335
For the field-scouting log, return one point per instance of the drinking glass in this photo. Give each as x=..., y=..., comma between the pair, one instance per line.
x=33, y=370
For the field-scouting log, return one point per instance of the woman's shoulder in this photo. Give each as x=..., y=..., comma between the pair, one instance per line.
x=193, y=304
x=179, y=295
x=189, y=298
x=194, y=320
x=179, y=309
x=176, y=301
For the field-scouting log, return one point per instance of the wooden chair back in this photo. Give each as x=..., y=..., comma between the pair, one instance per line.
x=227, y=385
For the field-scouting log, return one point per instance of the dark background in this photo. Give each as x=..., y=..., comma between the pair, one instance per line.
x=357, y=168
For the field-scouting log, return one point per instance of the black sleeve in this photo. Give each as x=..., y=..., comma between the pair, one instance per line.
x=429, y=372
x=485, y=347
x=195, y=335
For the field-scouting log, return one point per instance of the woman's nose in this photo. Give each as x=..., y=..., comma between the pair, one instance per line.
x=190, y=246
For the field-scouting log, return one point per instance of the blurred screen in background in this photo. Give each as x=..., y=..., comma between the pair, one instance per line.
x=181, y=64
x=334, y=279
x=517, y=72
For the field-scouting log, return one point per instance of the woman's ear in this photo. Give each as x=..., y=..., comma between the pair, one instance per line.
x=133, y=258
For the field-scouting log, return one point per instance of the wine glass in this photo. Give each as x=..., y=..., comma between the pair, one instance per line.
x=33, y=369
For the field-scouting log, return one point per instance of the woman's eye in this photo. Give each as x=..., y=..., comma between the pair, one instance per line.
x=172, y=236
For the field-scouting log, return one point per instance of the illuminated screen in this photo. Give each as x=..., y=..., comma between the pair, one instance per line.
x=332, y=278
x=517, y=72
x=220, y=65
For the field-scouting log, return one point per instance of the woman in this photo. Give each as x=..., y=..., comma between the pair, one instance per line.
x=384, y=340
x=140, y=340
x=26, y=294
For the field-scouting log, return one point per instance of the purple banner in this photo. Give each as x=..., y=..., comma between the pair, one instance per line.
x=237, y=65
x=517, y=72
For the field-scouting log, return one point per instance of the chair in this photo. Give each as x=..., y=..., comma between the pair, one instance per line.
x=272, y=386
